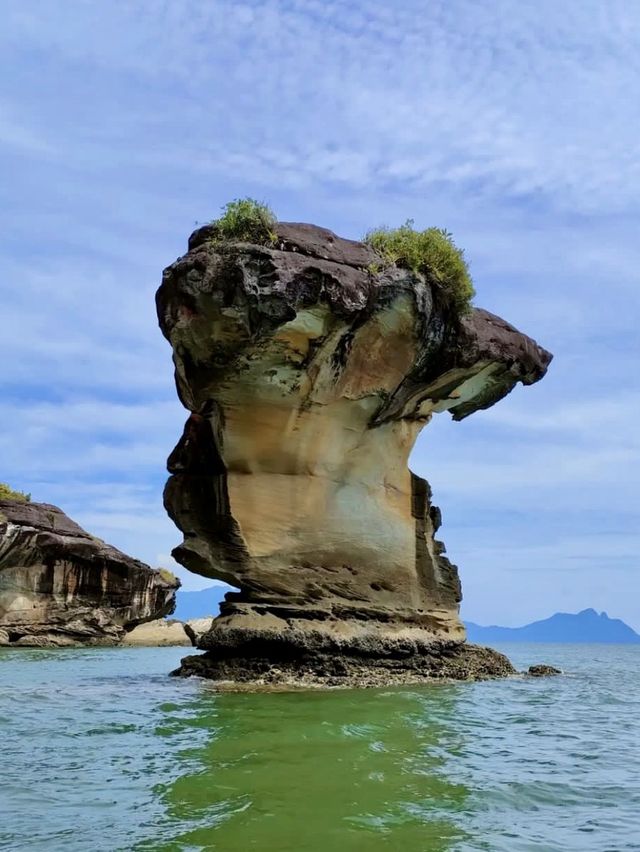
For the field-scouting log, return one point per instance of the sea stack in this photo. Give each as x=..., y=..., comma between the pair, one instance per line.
x=61, y=586
x=309, y=367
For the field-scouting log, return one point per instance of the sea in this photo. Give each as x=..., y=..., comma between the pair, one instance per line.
x=102, y=751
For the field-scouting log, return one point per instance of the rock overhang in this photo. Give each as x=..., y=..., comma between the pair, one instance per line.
x=309, y=368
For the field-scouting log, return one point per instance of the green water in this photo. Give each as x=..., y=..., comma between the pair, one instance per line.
x=102, y=751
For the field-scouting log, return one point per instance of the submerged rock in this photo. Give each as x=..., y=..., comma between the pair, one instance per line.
x=61, y=586
x=157, y=633
x=542, y=670
x=308, y=377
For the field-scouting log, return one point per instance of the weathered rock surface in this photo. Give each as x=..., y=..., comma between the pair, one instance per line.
x=308, y=378
x=158, y=633
x=196, y=628
x=61, y=586
x=542, y=670
x=169, y=631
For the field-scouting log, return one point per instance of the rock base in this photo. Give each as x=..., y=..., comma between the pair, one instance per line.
x=242, y=661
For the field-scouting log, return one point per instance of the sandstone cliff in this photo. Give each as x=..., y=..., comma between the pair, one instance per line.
x=61, y=586
x=308, y=377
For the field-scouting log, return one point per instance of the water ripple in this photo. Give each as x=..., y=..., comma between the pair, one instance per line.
x=103, y=752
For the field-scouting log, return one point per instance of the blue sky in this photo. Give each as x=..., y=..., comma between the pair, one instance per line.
x=512, y=123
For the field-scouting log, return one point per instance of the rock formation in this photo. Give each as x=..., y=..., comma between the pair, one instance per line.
x=159, y=633
x=168, y=631
x=542, y=670
x=308, y=375
x=61, y=586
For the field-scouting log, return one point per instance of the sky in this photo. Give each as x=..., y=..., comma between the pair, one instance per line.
x=513, y=123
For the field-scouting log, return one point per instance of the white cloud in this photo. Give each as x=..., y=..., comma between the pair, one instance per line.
x=496, y=98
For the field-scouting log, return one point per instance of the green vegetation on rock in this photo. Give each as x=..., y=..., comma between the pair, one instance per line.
x=7, y=493
x=431, y=252
x=247, y=220
x=167, y=576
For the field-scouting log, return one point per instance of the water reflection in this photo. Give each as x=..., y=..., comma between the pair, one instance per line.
x=309, y=771
x=102, y=751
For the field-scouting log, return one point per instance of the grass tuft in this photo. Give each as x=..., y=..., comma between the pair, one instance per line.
x=247, y=220
x=431, y=252
x=7, y=493
x=167, y=576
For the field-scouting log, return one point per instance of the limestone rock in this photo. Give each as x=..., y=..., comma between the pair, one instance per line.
x=196, y=629
x=308, y=378
x=168, y=632
x=61, y=586
x=158, y=633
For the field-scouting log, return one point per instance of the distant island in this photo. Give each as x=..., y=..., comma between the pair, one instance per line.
x=585, y=626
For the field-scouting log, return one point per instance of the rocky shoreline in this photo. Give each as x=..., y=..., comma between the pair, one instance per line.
x=60, y=586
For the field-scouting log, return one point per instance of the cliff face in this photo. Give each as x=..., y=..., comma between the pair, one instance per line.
x=308, y=378
x=61, y=586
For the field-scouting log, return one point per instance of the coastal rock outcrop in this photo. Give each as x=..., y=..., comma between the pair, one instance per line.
x=309, y=368
x=542, y=670
x=59, y=585
x=157, y=634
x=196, y=628
x=167, y=631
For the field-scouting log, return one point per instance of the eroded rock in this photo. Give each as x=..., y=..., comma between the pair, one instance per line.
x=61, y=586
x=158, y=633
x=308, y=378
x=196, y=628
x=542, y=670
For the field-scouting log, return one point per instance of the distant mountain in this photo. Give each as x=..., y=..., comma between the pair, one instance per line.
x=585, y=626
x=199, y=604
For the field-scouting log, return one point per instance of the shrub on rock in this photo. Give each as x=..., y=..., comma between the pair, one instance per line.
x=7, y=493
x=432, y=253
x=246, y=220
